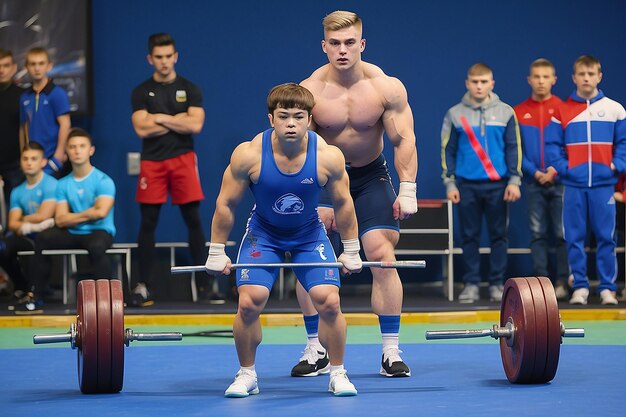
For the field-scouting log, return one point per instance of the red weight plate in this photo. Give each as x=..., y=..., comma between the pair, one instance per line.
x=87, y=328
x=541, y=330
x=117, y=335
x=517, y=304
x=554, y=330
x=103, y=305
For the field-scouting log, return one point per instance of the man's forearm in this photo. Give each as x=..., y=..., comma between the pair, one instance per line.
x=182, y=123
x=405, y=161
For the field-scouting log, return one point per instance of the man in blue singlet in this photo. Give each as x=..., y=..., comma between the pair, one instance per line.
x=286, y=168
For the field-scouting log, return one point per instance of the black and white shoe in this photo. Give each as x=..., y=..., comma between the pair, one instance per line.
x=392, y=364
x=313, y=362
x=141, y=296
x=29, y=306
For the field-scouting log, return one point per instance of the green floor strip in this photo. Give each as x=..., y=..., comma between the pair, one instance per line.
x=597, y=332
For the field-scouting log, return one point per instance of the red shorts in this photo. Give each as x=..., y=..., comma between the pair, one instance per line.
x=178, y=175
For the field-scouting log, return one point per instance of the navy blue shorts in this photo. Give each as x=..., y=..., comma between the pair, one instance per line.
x=261, y=246
x=373, y=195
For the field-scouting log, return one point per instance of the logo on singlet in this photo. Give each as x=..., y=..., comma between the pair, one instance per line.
x=320, y=249
x=308, y=180
x=288, y=204
x=329, y=275
x=244, y=275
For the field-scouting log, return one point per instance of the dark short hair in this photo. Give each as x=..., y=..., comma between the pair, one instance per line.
x=587, y=61
x=289, y=96
x=33, y=146
x=6, y=53
x=160, y=39
x=77, y=131
x=38, y=50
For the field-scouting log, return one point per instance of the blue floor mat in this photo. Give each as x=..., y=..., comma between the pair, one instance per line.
x=448, y=380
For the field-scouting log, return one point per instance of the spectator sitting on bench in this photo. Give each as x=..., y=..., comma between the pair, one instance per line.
x=31, y=211
x=84, y=216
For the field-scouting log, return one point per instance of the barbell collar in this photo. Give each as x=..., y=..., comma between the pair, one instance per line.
x=457, y=334
x=70, y=336
x=40, y=339
x=131, y=336
x=573, y=332
x=496, y=332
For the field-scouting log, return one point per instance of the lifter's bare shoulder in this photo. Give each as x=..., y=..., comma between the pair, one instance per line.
x=245, y=160
x=392, y=91
x=316, y=81
x=331, y=162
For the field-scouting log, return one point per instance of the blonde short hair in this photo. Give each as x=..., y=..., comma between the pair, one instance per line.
x=341, y=19
x=479, y=69
x=541, y=63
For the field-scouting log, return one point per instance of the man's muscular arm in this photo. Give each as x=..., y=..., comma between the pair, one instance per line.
x=235, y=181
x=398, y=123
x=332, y=162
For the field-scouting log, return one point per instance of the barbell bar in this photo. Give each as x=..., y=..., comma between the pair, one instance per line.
x=99, y=336
x=530, y=331
x=366, y=264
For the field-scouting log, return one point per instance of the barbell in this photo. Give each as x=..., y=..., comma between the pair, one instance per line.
x=530, y=331
x=366, y=264
x=100, y=337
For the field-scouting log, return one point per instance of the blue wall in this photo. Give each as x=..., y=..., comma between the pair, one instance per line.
x=237, y=50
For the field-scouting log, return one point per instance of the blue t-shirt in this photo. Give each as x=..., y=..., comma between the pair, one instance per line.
x=81, y=194
x=40, y=112
x=28, y=198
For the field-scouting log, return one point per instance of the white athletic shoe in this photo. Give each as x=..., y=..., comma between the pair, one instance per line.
x=245, y=384
x=340, y=385
x=560, y=291
x=608, y=297
x=579, y=296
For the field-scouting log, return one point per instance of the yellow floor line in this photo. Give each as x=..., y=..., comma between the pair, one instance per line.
x=296, y=319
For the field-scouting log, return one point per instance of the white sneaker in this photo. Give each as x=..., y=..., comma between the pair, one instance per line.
x=608, y=297
x=470, y=294
x=245, y=384
x=560, y=291
x=340, y=385
x=580, y=296
x=495, y=292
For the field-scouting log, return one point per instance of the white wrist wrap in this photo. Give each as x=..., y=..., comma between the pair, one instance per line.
x=350, y=257
x=351, y=245
x=216, y=249
x=217, y=259
x=407, y=196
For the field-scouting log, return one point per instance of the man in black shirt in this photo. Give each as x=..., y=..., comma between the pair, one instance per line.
x=9, y=126
x=167, y=111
